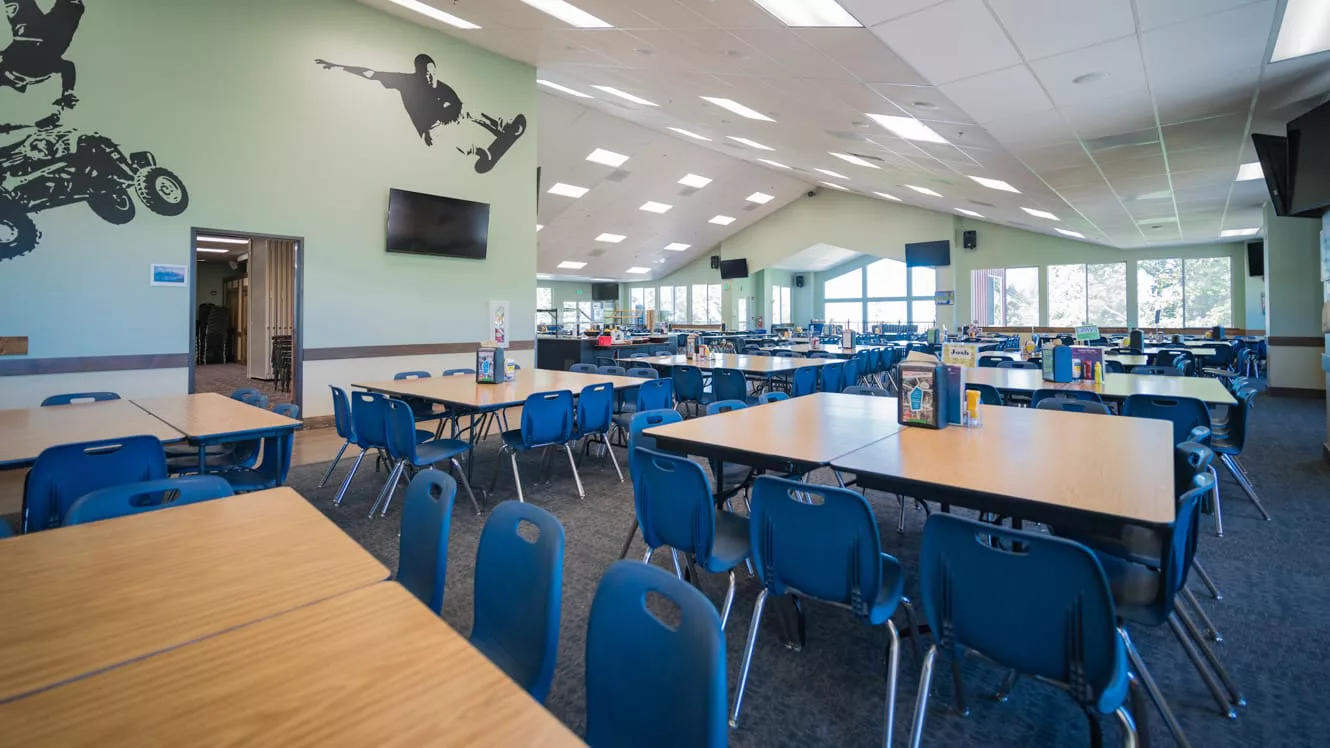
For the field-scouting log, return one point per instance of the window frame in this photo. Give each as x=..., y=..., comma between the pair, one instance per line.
x=864, y=299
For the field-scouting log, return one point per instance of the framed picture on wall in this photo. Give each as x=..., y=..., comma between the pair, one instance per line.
x=1325, y=256
x=498, y=321
x=169, y=275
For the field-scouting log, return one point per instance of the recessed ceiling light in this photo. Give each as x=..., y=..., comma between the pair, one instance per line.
x=1072, y=234
x=887, y=197
x=833, y=174
x=210, y=250
x=776, y=164
x=1040, y=214
x=222, y=239
x=1238, y=232
x=568, y=190
x=924, y=191
x=995, y=184
x=661, y=261
x=761, y=198
x=568, y=13
x=611, y=238
x=563, y=89
x=737, y=108
x=570, y=265
x=436, y=14
x=695, y=180
x=808, y=13
x=638, y=271
x=722, y=220
x=652, y=206
x=908, y=128
x=970, y=213
x=1250, y=171
x=927, y=105
x=1094, y=77
x=834, y=186
x=1305, y=30
x=850, y=157
x=539, y=226
x=625, y=95
x=608, y=158
x=751, y=143
x=689, y=134
x=678, y=247
x=1157, y=195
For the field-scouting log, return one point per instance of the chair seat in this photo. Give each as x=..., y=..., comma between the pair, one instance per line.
x=889, y=595
x=1135, y=590
x=731, y=545
x=438, y=450
x=734, y=473
x=513, y=438
x=1221, y=445
x=247, y=480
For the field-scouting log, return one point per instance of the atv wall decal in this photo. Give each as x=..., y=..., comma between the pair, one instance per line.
x=56, y=165
x=432, y=104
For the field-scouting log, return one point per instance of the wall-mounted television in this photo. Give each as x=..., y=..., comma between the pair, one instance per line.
x=1309, y=163
x=928, y=254
x=605, y=292
x=434, y=225
x=1273, y=153
x=733, y=269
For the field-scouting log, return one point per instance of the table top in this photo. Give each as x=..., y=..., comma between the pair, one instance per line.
x=370, y=667
x=1107, y=465
x=465, y=391
x=25, y=432
x=752, y=364
x=208, y=414
x=81, y=598
x=833, y=350
x=1115, y=386
x=810, y=430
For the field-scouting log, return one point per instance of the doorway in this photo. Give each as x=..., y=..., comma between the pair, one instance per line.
x=245, y=314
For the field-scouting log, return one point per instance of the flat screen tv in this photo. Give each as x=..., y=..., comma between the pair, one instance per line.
x=433, y=225
x=928, y=254
x=733, y=269
x=1273, y=153
x=1309, y=163
x=605, y=292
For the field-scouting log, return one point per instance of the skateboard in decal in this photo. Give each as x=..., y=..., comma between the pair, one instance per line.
x=505, y=134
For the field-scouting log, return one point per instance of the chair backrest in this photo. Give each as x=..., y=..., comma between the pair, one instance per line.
x=991, y=362
x=145, y=496
x=411, y=375
x=655, y=394
x=782, y=354
x=518, y=589
x=725, y=406
x=342, y=413
x=988, y=394
x=650, y=683
x=1018, y=365
x=728, y=384
x=644, y=372
x=65, y=473
x=804, y=381
x=1057, y=618
x=1189, y=460
x=583, y=368
x=612, y=371
x=1113, y=367
x=1043, y=394
x=639, y=354
x=79, y=397
x=1181, y=549
x=687, y=383
x=1186, y=413
x=1158, y=371
x=641, y=421
x=455, y=372
x=400, y=430
x=547, y=418
x=674, y=504
x=833, y=377
x=850, y=370
x=818, y=354
x=369, y=419
x=243, y=392
x=864, y=390
x=255, y=398
x=595, y=409
x=1238, y=416
x=1073, y=405
x=422, y=559
x=275, y=461
x=825, y=546
x=771, y=397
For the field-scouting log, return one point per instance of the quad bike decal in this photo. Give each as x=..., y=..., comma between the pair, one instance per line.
x=432, y=105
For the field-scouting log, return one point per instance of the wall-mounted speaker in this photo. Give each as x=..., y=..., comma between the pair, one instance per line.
x=798, y=281
x=1256, y=259
x=970, y=239
x=715, y=262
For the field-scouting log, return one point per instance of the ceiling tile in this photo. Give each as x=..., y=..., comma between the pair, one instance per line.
x=1001, y=94
x=953, y=40
x=1232, y=40
x=1031, y=130
x=862, y=54
x=1156, y=13
x=873, y=12
x=1042, y=28
x=1120, y=60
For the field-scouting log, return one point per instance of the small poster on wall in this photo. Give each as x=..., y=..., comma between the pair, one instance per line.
x=1325, y=256
x=499, y=323
x=169, y=275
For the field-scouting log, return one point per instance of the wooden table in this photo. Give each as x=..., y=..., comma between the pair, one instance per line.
x=208, y=418
x=370, y=667
x=1208, y=350
x=1115, y=386
x=25, y=432
x=831, y=350
x=79, y=599
x=1094, y=471
x=763, y=365
x=464, y=392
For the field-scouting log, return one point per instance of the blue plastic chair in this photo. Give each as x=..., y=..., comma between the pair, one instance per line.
x=595, y=418
x=729, y=384
x=1230, y=443
x=804, y=381
x=342, y=422
x=369, y=430
x=860, y=389
x=688, y=388
x=988, y=394
x=64, y=474
x=401, y=375
x=79, y=397
x=274, y=462
x=833, y=377
x=828, y=551
x=423, y=409
x=653, y=684
x=5, y=530
x=1018, y=365
x=1072, y=405
x=1056, y=622
x=583, y=368
x=407, y=452
x=422, y=558
x=991, y=361
x=1187, y=414
x=1157, y=371
x=641, y=421
x=547, y=421
x=518, y=589
x=456, y=372
x=654, y=394
x=771, y=397
x=1086, y=395
x=612, y=371
x=137, y=498
x=850, y=370
x=249, y=392
x=644, y=372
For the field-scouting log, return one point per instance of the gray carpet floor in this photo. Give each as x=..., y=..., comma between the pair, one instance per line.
x=1274, y=614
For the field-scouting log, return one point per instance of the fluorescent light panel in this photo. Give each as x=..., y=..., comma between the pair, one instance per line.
x=1040, y=214
x=751, y=143
x=995, y=184
x=611, y=238
x=570, y=265
x=563, y=89
x=539, y=226
x=652, y=206
x=436, y=14
x=625, y=95
x=808, y=13
x=908, y=128
x=210, y=250
x=833, y=174
x=924, y=191
x=1072, y=234
x=1305, y=30
x=851, y=158
x=222, y=239
x=776, y=164
x=607, y=158
x=1250, y=171
x=971, y=213
x=887, y=197
x=696, y=181
x=678, y=247
x=637, y=270
x=689, y=134
x=737, y=108
x=568, y=190
x=722, y=220
x=761, y=198
x=834, y=186
x=1238, y=232
x=568, y=13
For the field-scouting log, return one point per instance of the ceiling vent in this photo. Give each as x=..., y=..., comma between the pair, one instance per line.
x=595, y=253
x=982, y=204
x=618, y=175
x=1125, y=140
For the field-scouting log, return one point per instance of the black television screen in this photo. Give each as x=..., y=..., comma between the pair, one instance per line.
x=605, y=292
x=433, y=225
x=733, y=269
x=1309, y=163
x=928, y=254
x=1273, y=153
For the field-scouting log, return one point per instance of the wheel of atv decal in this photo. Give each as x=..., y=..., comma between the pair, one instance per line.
x=113, y=207
x=161, y=191
x=517, y=128
x=18, y=234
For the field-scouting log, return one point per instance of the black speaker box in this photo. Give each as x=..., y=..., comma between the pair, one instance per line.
x=970, y=239
x=715, y=262
x=798, y=281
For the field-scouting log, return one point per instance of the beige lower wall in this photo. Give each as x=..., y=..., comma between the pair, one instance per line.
x=1295, y=367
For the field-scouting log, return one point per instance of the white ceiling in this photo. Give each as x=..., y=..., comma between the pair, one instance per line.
x=1144, y=155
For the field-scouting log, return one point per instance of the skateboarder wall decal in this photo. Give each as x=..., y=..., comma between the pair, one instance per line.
x=433, y=105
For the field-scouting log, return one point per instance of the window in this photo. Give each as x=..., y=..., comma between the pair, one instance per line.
x=666, y=306
x=1005, y=297
x=780, y=305
x=545, y=311
x=883, y=292
x=887, y=278
x=1184, y=293
x=681, y=303
x=1087, y=295
x=847, y=286
x=742, y=322
x=846, y=312
x=706, y=304
x=786, y=310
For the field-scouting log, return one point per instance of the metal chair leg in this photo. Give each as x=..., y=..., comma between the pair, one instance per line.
x=748, y=656
x=333, y=465
x=1222, y=700
x=466, y=483
x=1245, y=483
x=915, y=633
x=729, y=602
x=394, y=475
x=1235, y=695
x=577, y=478
x=1152, y=689
x=1211, y=631
x=628, y=542
x=900, y=526
x=517, y=478
x=921, y=700
x=1129, y=736
x=959, y=685
x=1214, y=497
x=341, y=492
x=605, y=440
x=678, y=570
x=893, y=667
x=1205, y=578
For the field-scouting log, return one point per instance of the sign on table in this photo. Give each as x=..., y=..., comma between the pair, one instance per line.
x=960, y=354
x=1087, y=332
